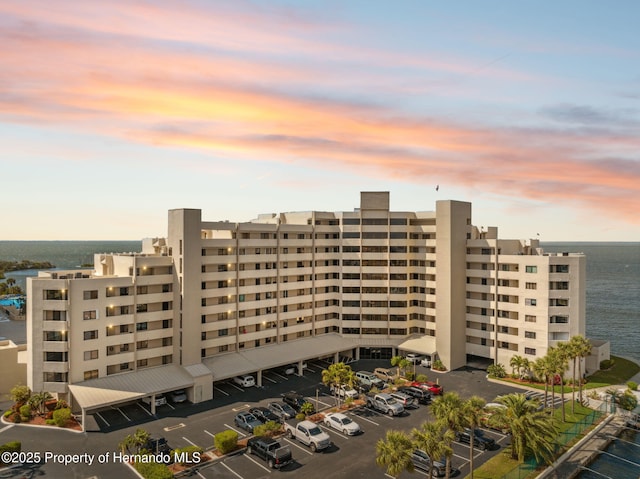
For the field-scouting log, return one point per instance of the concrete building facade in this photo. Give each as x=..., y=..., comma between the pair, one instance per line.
x=218, y=299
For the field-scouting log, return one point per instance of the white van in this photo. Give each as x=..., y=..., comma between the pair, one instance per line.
x=245, y=381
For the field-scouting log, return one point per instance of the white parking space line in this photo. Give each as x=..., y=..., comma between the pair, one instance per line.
x=378, y=414
x=105, y=421
x=241, y=408
x=212, y=435
x=190, y=442
x=220, y=390
x=330, y=429
x=279, y=375
x=257, y=463
x=237, y=387
x=310, y=370
x=461, y=457
x=8, y=427
x=239, y=433
x=364, y=419
x=200, y=474
x=232, y=471
x=121, y=412
x=269, y=379
x=310, y=399
x=299, y=447
x=170, y=406
x=144, y=409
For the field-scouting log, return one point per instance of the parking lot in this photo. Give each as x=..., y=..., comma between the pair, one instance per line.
x=185, y=425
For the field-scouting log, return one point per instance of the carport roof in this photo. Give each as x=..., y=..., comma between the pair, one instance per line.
x=421, y=345
x=104, y=392
x=265, y=357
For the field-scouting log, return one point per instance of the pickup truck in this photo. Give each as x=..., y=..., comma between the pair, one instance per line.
x=384, y=403
x=270, y=450
x=308, y=433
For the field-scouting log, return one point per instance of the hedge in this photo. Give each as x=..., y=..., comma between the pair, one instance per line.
x=153, y=470
x=13, y=446
x=226, y=441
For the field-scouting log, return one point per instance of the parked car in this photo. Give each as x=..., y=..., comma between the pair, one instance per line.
x=421, y=461
x=421, y=395
x=161, y=400
x=263, y=414
x=487, y=421
x=385, y=404
x=479, y=439
x=342, y=422
x=157, y=444
x=245, y=381
x=178, y=396
x=369, y=379
x=432, y=387
x=282, y=410
x=386, y=375
x=247, y=421
x=343, y=391
x=404, y=399
x=426, y=362
x=270, y=450
x=295, y=400
x=290, y=369
x=309, y=434
x=415, y=358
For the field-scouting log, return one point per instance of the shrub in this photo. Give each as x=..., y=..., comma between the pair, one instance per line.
x=496, y=371
x=226, y=441
x=61, y=416
x=20, y=394
x=25, y=412
x=62, y=404
x=153, y=470
x=632, y=385
x=189, y=452
x=50, y=422
x=410, y=376
x=349, y=401
x=13, y=446
x=269, y=429
x=422, y=378
x=307, y=408
x=438, y=365
x=8, y=413
x=607, y=363
x=300, y=416
x=16, y=417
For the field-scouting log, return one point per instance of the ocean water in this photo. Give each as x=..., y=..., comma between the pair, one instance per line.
x=613, y=280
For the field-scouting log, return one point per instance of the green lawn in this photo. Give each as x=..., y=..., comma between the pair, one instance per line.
x=502, y=463
x=620, y=373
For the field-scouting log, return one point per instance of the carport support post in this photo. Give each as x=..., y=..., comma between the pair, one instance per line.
x=300, y=371
x=153, y=404
x=259, y=378
x=336, y=358
x=84, y=418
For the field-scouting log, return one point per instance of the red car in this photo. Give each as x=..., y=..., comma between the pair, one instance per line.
x=429, y=386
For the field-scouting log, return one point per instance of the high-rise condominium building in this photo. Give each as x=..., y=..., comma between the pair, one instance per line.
x=217, y=299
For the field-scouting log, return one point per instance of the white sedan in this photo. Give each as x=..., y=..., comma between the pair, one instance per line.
x=342, y=423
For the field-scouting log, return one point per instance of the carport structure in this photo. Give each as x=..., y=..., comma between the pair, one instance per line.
x=267, y=357
x=103, y=392
x=423, y=345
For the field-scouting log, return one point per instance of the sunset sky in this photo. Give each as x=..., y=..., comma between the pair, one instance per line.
x=112, y=113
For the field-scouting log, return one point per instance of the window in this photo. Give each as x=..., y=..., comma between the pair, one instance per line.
x=89, y=355
x=142, y=326
x=91, y=335
x=142, y=363
x=531, y=269
x=93, y=374
x=530, y=318
x=530, y=351
x=124, y=366
x=530, y=334
x=559, y=319
x=531, y=285
x=223, y=332
x=141, y=308
x=531, y=301
x=86, y=315
x=92, y=294
x=55, y=294
x=142, y=345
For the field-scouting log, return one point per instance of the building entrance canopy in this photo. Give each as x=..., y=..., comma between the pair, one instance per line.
x=422, y=345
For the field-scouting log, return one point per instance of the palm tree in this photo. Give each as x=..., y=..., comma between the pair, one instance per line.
x=516, y=362
x=430, y=439
x=401, y=363
x=553, y=360
x=394, y=453
x=583, y=346
x=472, y=411
x=564, y=353
x=532, y=431
x=448, y=409
x=541, y=368
x=37, y=401
x=336, y=375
